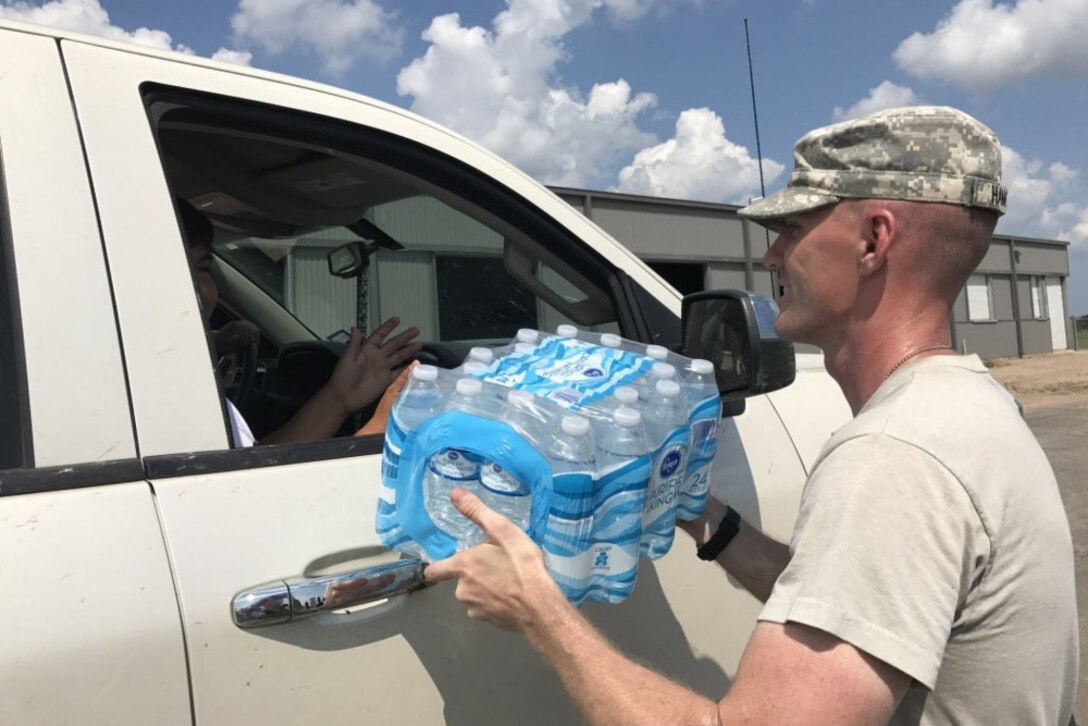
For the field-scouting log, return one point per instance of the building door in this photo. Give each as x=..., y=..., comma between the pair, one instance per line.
x=1055, y=305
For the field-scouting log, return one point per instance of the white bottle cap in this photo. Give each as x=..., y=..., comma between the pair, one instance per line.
x=663, y=370
x=668, y=388
x=566, y=331
x=610, y=340
x=627, y=417
x=473, y=367
x=524, y=347
x=518, y=397
x=480, y=353
x=424, y=372
x=658, y=352
x=575, y=425
x=626, y=394
x=527, y=335
x=702, y=366
x=469, y=386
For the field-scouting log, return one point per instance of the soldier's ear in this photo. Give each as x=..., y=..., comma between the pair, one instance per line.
x=878, y=228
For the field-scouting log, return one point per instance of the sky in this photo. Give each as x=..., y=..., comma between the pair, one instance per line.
x=653, y=96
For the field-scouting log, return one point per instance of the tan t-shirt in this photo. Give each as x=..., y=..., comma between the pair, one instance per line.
x=932, y=536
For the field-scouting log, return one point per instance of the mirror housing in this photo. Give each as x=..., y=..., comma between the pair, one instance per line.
x=348, y=260
x=734, y=330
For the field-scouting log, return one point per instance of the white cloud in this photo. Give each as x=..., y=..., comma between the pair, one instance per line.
x=88, y=16
x=981, y=45
x=886, y=95
x=498, y=87
x=338, y=32
x=237, y=57
x=1045, y=200
x=700, y=162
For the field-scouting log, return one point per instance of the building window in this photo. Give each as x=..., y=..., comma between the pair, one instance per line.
x=478, y=299
x=1038, y=298
x=686, y=277
x=980, y=299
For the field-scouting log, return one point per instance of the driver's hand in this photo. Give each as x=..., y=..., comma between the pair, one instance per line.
x=368, y=367
x=234, y=336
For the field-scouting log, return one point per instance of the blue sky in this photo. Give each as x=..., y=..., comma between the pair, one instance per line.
x=652, y=96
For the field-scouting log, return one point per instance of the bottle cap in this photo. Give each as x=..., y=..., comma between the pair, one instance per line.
x=469, y=386
x=520, y=398
x=627, y=417
x=611, y=340
x=566, y=331
x=658, y=352
x=702, y=366
x=626, y=394
x=527, y=335
x=474, y=367
x=668, y=388
x=424, y=372
x=480, y=353
x=575, y=425
x=524, y=347
x=663, y=370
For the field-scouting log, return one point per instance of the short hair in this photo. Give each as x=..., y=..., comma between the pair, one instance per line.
x=948, y=240
x=961, y=237
x=195, y=227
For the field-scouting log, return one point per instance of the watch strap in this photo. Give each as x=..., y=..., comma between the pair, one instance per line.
x=723, y=535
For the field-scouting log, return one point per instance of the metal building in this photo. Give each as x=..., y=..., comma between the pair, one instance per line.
x=696, y=245
x=450, y=281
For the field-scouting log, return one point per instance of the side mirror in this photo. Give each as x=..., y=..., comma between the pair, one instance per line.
x=348, y=260
x=734, y=330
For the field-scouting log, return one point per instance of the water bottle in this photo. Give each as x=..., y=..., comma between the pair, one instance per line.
x=524, y=348
x=474, y=367
x=667, y=431
x=622, y=472
x=611, y=340
x=566, y=331
x=451, y=468
x=657, y=352
x=520, y=414
x=704, y=416
x=570, y=516
x=420, y=400
x=481, y=353
x=527, y=335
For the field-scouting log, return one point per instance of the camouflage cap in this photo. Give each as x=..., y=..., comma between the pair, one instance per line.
x=919, y=153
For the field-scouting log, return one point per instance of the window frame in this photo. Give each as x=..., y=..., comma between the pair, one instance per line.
x=1039, y=303
x=431, y=167
x=988, y=282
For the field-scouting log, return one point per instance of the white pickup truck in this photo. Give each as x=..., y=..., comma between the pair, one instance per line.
x=132, y=535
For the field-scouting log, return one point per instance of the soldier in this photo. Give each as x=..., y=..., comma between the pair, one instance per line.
x=929, y=578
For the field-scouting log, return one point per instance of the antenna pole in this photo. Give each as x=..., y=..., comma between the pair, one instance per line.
x=759, y=147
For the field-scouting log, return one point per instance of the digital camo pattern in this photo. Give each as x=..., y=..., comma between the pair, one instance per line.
x=919, y=153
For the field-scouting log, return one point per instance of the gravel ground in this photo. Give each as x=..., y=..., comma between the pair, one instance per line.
x=1054, y=391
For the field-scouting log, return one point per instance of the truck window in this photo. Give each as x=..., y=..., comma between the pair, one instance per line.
x=13, y=447
x=447, y=251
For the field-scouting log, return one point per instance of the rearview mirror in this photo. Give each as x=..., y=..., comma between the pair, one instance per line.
x=348, y=260
x=734, y=330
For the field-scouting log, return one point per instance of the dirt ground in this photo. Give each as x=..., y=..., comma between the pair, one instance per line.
x=1045, y=380
x=1054, y=391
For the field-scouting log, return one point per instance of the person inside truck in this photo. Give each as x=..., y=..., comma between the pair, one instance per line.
x=367, y=369
x=929, y=578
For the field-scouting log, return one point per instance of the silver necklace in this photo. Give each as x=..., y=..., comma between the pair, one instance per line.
x=916, y=351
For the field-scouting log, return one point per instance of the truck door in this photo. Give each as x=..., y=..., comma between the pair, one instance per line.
x=285, y=170
x=88, y=619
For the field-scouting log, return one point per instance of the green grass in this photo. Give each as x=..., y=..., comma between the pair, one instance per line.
x=1082, y=340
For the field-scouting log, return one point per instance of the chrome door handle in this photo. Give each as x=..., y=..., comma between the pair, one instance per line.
x=297, y=598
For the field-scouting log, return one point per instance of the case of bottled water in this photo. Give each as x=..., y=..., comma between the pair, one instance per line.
x=592, y=444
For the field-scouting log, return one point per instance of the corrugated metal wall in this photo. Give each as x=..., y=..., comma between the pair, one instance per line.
x=405, y=287
x=323, y=302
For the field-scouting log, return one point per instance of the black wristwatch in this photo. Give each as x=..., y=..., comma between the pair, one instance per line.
x=723, y=535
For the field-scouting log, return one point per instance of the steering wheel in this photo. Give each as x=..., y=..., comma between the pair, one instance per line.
x=239, y=375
